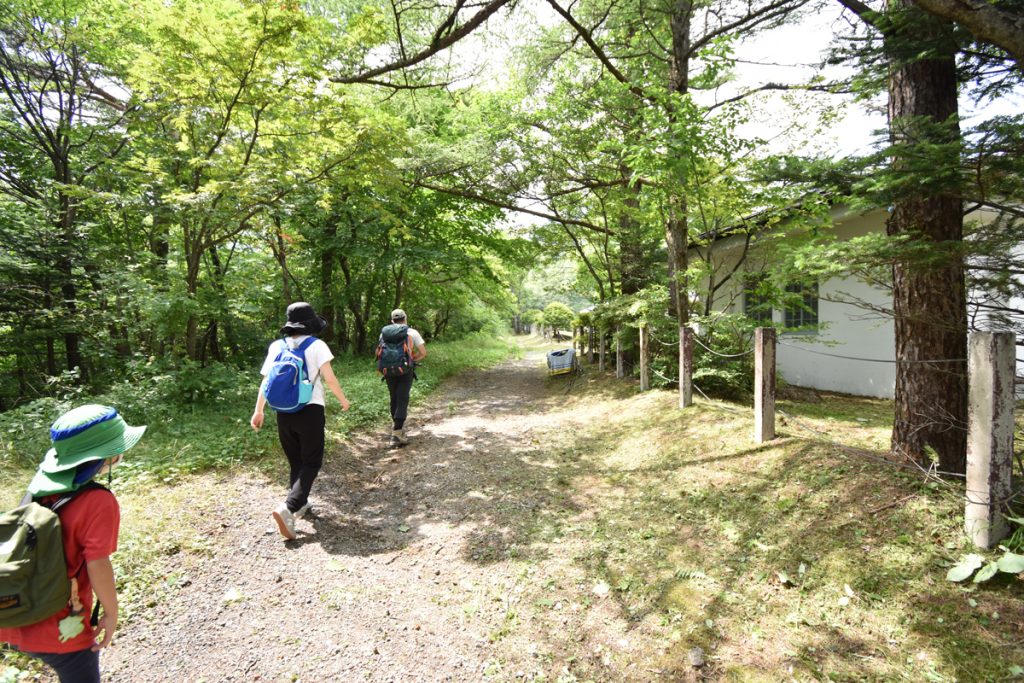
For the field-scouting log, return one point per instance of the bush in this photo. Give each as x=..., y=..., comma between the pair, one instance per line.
x=558, y=316
x=729, y=372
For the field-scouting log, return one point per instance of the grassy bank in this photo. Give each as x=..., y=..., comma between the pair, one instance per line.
x=799, y=559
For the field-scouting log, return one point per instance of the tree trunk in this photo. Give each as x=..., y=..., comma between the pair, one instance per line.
x=282, y=261
x=51, y=350
x=676, y=232
x=929, y=299
x=69, y=292
x=224, y=322
x=399, y=286
x=327, y=259
x=341, y=330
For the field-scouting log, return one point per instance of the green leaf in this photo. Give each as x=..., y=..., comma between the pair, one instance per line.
x=70, y=626
x=986, y=573
x=966, y=567
x=1011, y=563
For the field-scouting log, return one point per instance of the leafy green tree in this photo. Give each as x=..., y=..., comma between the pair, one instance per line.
x=558, y=316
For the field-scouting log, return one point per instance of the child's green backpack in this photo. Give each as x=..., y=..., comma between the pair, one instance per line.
x=34, y=581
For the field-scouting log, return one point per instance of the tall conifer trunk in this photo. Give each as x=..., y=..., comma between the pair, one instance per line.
x=676, y=237
x=929, y=298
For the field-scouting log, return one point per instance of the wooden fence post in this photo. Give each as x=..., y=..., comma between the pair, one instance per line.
x=620, y=371
x=645, y=370
x=590, y=345
x=764, y=384
x=685, y=367
x=602, y=351
x=991, y=362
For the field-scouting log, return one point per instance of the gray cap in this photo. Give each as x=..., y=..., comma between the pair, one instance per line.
x=398, y=314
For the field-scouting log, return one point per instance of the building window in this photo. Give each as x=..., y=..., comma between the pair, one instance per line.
x=757, y=303
x=802, y=305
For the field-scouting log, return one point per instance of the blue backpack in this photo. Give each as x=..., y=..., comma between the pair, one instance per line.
x=288, y=388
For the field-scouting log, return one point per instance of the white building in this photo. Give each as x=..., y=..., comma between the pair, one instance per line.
x=841, y=319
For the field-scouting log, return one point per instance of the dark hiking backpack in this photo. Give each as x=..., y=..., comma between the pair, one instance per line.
x=34, y=581
x=288, y=388
x=394, y=352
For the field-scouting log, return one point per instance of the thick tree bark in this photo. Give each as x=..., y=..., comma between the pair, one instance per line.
x=632, y=256
x=929, y=298
x=987, y=22
x=676, y=231
x=68, y=289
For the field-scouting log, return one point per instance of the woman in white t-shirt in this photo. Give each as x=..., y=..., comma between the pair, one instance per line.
x=301, y=433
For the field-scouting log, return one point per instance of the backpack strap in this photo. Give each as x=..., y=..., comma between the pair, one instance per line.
x=66, y=498
x=301, y=348
x=70, y=495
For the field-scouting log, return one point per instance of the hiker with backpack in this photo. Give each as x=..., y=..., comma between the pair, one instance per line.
x=294, y=372
x=62, y=537
x=399, y=349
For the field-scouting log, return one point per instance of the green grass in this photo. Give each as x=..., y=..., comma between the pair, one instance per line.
x=792, y=560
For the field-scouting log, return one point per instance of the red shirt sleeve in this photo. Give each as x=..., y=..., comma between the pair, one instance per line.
x=95, y=532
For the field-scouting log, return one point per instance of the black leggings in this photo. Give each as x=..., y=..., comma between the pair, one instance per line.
x=399, y=388
x=302, y=438
x=82, y=666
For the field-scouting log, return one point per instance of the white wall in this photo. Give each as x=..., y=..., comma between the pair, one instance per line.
x=846, y=329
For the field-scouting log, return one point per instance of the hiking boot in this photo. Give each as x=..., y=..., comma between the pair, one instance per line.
x=285, y=521
x=398, y=438
x=306, y=509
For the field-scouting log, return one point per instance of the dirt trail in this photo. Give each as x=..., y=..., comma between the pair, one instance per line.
x=420, y=564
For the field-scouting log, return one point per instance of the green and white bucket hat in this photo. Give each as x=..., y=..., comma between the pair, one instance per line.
x=87, y=433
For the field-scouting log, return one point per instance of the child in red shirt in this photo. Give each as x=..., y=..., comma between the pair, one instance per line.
x=87, y=442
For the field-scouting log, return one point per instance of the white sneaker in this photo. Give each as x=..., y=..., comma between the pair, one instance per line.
x=302, y=511
x=285, y=521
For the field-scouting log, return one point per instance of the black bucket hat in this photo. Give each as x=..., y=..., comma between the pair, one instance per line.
x=302, y=319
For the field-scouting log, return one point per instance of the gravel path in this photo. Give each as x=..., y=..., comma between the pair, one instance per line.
x=415, y=566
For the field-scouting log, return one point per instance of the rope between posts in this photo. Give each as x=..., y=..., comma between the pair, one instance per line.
x=869, y=360
x=655, y=339
x=725, y=407
x=931, y=473
x=718, y=353
x=667, y=379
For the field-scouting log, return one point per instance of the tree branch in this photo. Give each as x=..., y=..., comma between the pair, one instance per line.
x=512, y=207
x=436, y=45
x=987, y=22
x=596, y=49
x=832, y=89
